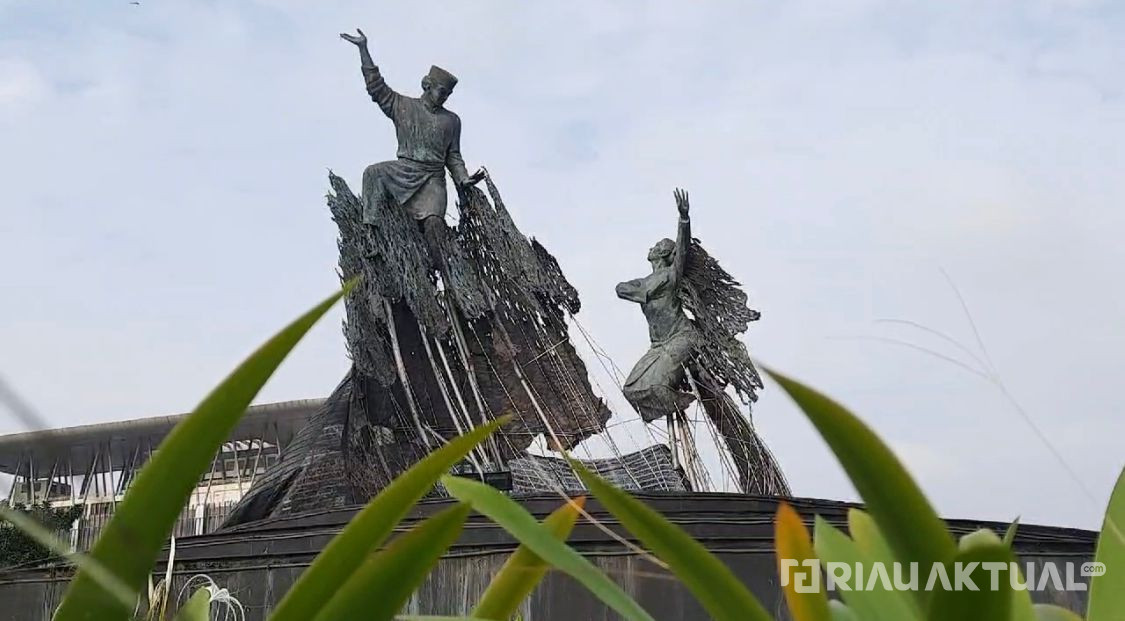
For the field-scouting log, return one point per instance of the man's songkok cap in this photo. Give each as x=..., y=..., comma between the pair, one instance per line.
x=441, y=76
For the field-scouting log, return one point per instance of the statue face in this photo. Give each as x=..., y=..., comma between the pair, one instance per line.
x=435, y=92
x=662, y=250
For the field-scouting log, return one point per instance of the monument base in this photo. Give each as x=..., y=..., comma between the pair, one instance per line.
x=258, y=562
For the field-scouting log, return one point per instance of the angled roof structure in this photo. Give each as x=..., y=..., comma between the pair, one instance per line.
x=119, y=441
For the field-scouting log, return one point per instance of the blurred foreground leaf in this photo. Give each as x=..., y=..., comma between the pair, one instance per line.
x=524, y=569
x=513, y=518
x=905, y=517
x=1107, y=591
x=129, y=544
x=381, y=586
x=792, y=544
x=712, y=582
x=369, y=528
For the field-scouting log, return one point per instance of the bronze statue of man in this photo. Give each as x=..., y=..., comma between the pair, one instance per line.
x=429, y=141
x=652, y=385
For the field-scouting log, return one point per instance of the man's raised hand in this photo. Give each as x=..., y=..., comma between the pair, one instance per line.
x=474, y=178
x=360, y=40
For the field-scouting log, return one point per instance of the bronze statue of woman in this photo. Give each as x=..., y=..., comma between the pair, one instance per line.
x=652, y=385
x=696, y=312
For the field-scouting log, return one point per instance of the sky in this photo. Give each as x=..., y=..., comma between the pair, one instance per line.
x=910, y=192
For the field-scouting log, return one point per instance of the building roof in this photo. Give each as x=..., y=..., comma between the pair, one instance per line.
x=272, y=422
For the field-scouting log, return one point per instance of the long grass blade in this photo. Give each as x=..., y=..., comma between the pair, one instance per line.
x=197, y=607
x=436, y=618
x=1049, y=612
x=371, y=527
x=870, y=601
x=905, y=517
x=1019, y=599
x=382, y=585
x=712, y=582
x=510, y=516
x=130, y=543
x=841, y=612
x=1010, y=533
x=794, y=550
x=1107, y=591
x=978, y=551
x=524, y=569
x=871, y=545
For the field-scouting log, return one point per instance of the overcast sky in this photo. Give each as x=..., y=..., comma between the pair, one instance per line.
x=164, y=165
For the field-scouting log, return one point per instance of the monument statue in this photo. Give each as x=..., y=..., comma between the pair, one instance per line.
x=450, y=327
x=652, y=384
x=695, y=313
x=429, y=142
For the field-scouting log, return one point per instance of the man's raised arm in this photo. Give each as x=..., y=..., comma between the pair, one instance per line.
x=683, y=236
x=376, y=86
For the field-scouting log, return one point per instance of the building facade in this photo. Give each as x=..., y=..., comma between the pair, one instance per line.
x=92, y=466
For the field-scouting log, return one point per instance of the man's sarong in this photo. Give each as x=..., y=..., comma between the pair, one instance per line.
x=418, y=187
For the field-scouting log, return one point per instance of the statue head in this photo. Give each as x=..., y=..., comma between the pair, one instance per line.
x=437, y=86
x=662, y=251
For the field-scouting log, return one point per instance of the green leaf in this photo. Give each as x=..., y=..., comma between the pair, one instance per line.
x=792, y=542
x=524, y=569
x=369, y=528
x=1010, y=534
x=712, y=582
x=986, y=602
x=437, y=618
x=1107, y=591
x=1048, y=612
x=130, y=543
x=905, y=517
x=382, y=585
x=98, y=572
x=865, y=533
x=1020, y=598
x=197, y=608
x=520, y=524
x=840, y=612
x=870, y=604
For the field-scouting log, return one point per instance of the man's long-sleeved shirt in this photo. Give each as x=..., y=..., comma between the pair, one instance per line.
x=424, y=135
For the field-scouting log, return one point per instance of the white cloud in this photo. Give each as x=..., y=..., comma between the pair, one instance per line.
x=21, y=84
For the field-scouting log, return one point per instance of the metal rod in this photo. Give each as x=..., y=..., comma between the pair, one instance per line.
x=89, y=478
x=15, y=482
x=50, y=481
x=454, y=414
x=670, y=422
x=722, y=443
x=119, y=485
x=31, y=479
x=132, y=468
x=109, y=467
x=470, y=371
x=257, y=458
x=211, y=478
x=691, y=455
x=237, y=466
x=402, y=375
x=70, y=478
